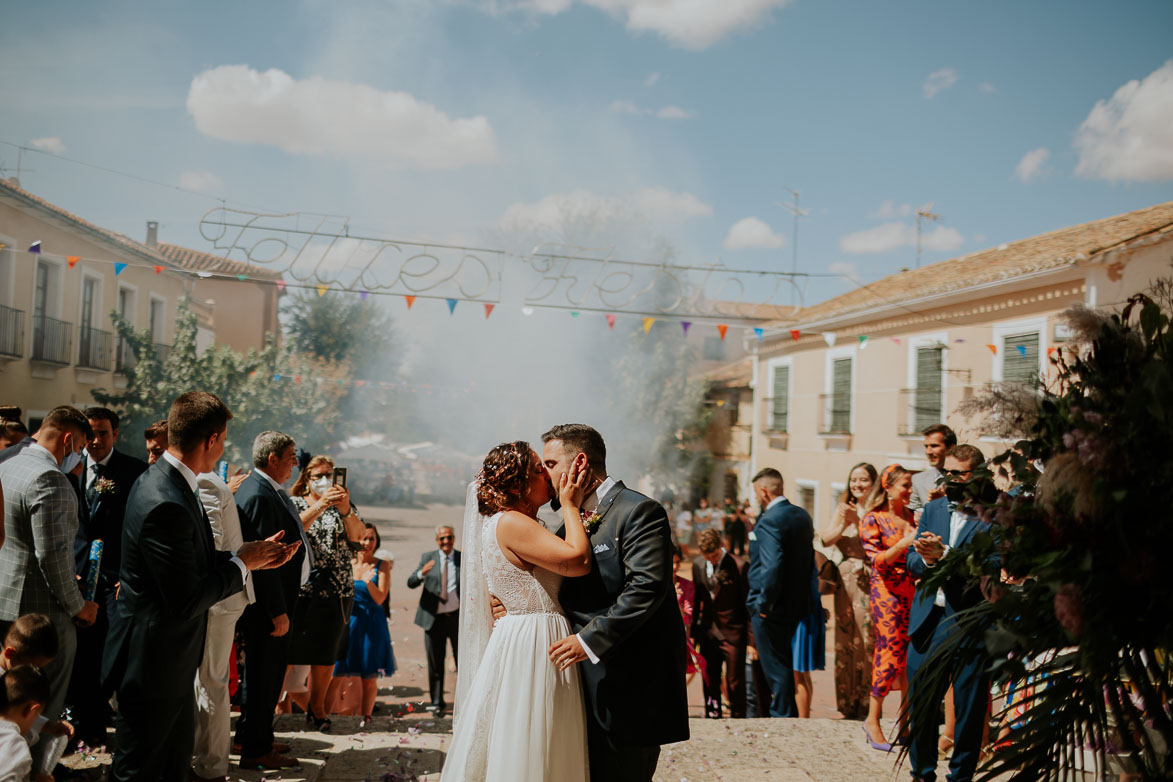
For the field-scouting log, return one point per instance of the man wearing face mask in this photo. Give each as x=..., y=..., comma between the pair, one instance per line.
x=36, y=562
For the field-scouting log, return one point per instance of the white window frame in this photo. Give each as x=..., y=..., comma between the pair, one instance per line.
x=8, y=280
x=158, y=338
x=837, y=489
x=771, y=365
x=829, y=359
x=807, y=483
x=133, y=316
x=99, y=291
x=1014, y=328
x=58, y=299
x=941, y=339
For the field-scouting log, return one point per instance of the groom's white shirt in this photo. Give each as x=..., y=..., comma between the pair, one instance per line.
x=589, y=504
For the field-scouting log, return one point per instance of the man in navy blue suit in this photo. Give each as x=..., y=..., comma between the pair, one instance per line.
x=947, y=523
x=781, y=557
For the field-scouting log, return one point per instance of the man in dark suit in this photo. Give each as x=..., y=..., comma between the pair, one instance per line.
x=946, y=524
x=106, y=479
x=628, y=633
x=781, y=558
x=265, y=510
x=439, y=610
x=723, y=621
x=170, y=575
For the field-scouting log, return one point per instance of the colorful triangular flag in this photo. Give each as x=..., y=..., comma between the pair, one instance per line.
x=242, y=277
x=451, y=305
x=722, y=329
x=993, y=349
x=795, y=334
x=363, y=295
x=574, y=313
x=830, y=339
x=118, y=267
x=410, y=300
x=321, y=288
x=527, y=311
x=648, y=324
x=759, y=333
x=684, y=324
x=280, y=285
x=610, y=320
x=895, y=339
x=159, y=270
x=1021, y=350
x=72, y=260
x=35, y=247
x=863, y=341
x=489, y=309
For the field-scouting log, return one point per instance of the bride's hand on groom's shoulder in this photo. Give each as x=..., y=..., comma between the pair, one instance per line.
x=572, y=487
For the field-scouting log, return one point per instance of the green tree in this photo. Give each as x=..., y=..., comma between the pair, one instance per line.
x=271, y=388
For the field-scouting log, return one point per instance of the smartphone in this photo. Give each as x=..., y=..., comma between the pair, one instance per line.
x=340, y=476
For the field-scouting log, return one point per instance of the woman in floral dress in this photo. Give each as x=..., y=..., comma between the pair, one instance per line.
x=886, y=531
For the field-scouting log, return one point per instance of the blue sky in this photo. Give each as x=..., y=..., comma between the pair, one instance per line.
x=657, y=121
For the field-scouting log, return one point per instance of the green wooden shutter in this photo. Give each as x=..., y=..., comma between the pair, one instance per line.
x=928, y=387
x=780, y=409
x=840, y=395
x=1020, y=358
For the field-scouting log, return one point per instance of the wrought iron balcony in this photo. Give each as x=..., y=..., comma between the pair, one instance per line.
x=11, y=332
x=918, y=409
x=835, y=413
x=95, y=349
x=51, y=340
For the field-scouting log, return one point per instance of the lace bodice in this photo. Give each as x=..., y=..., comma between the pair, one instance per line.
x=521, y=592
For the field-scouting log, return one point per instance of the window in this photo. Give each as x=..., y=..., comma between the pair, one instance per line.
x=1020, y=358
x=806, y=495
x=840, y=407
x=126, y=310
x=89, y=302
x=733, y=405
x=780, y=399
x=927, y=396
x=713, y=349
x=156, y=320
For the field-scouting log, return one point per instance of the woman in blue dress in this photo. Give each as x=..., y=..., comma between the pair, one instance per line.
x=810, y=649
x=370, y=654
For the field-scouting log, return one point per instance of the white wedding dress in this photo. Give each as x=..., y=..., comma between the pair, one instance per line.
x=520, y=718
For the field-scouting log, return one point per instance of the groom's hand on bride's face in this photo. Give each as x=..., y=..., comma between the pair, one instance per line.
x=497, y=607
x=567, y=652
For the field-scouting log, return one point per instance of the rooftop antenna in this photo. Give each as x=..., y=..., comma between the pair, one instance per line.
x=923, y=214
x=797, y=213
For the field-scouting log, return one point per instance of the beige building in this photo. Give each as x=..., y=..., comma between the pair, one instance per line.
x=857, y=377
x=57, y=340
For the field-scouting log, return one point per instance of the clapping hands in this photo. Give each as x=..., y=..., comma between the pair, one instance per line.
x=268, y=553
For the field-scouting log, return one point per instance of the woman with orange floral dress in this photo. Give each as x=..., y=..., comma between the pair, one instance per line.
x=886, y=532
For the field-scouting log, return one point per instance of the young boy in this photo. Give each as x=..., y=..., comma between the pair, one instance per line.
x=24, y=690
x=31, y=640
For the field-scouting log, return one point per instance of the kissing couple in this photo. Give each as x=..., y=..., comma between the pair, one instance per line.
x=571, y=643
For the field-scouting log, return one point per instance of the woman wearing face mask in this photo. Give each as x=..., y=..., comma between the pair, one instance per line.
x=322, y=615
x=370, y=654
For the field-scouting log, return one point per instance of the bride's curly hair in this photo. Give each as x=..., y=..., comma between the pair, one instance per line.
x=504, y=477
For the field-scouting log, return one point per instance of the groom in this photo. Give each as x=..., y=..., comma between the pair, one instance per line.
x=624, y=615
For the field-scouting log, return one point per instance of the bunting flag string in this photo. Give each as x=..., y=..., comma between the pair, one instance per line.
x=648, y=324
x=118, y=267
x=993, y=349
x=158, y=269
x=722, y=329
x=72, y=260
x=684, y=324
x=795, y=334
x=451, y=306
x=364, y=294
x=280, y=283
x=322, y=289
x=863, y=341
x=610, y=321
x=759, y=333
x=1021, y=350
x=489, y=310
x=410, y=301
x=35, y=247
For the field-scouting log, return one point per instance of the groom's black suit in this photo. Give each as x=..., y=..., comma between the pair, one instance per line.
x=625, y=612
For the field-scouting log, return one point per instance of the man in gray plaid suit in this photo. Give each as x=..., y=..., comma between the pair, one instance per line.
x=40, y=522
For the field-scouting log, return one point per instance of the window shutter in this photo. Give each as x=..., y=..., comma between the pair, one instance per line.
x=841, y=395
x=1020, y=358
x=928, y=387
x=780, y=411
x=806, y=499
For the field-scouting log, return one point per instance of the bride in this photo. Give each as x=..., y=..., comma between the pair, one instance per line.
x=517, y=716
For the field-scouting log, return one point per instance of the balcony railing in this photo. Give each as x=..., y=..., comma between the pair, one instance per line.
x=125, y=358
x=95, y=349
x=776, y=415
x=51, y=340
x=835, y=413
x=918, y=409
x=11, y=332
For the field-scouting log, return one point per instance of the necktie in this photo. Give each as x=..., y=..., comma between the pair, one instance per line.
x=443, y=578
x=307, y=564
x=92, y=488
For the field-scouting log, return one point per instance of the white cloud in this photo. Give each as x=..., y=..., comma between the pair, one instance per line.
x=317, y=116
x=750, y=232
x=50, y=144
x=657, y=204
x=939, y=80
x=200, y=180
x=1129, y=138
x=890, y=210
x=987, y=88
x=664, y=112
x=891, y=236
x=651, y=79
x=845, y=269
x=1033, y=165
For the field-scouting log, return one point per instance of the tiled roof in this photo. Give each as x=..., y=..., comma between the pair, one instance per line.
x=1045, y=252
x=731, y=375
x=12, y=188
x=194, y=260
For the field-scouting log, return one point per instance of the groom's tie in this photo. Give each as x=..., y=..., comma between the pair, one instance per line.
x=443, y=577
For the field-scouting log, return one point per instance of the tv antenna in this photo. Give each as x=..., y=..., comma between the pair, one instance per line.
x=797, y=213
x=923, y=214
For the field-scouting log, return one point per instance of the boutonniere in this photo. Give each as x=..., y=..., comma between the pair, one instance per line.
x=104, y=486
x=592, y=522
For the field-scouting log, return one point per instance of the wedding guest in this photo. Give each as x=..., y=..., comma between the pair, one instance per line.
x=736, y=528
x=265, y=509
x=810, y=649
x=781, y=556
x=14, y=438
x=213, y=708
x=687, y=596
x=886, y=531
x=938, y=439
x=36, y=562
x=171, y=575
x=106, y=482
x=948, y=523
x=30, y=640
x=439, y=609
x=723, y=628
x=702, y=517
x=369, y=653
x=322, y=616
x=852, y=595
x=156, y=437
x=24, y=691
x=685, y=533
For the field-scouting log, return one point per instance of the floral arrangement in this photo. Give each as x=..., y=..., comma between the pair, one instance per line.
x=104, y=486
x=1078, y=623
x=591, y=523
